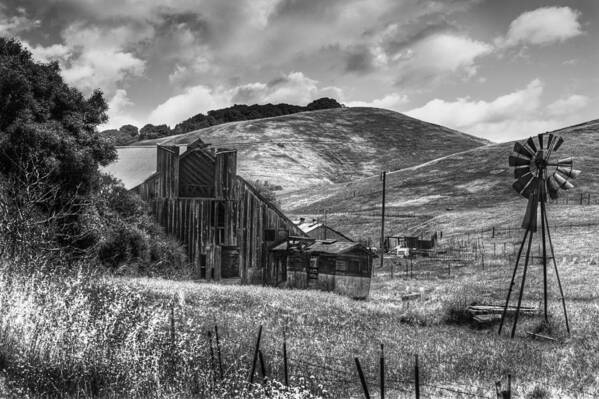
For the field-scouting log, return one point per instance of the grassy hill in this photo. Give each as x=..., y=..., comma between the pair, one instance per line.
x=329, y=146
x=457, y=185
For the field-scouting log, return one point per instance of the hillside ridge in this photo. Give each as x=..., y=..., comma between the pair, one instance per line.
x=328, y=146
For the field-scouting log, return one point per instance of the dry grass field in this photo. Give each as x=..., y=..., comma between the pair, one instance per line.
x=109, y=336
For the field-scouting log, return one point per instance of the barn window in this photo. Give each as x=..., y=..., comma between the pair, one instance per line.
x=353, y=267
x=202, y=260
x=269, y=235
x=218, y=222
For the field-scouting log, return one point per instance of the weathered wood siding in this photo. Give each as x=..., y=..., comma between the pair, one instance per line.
x=167, y=167
x=237, y=217
x=346, y=273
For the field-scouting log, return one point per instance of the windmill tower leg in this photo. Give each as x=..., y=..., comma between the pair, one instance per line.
x=526, y=259
x=559, y=283
x=509, y=293
x=543, y=227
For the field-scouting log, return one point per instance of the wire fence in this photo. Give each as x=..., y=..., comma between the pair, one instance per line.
x=390, y=374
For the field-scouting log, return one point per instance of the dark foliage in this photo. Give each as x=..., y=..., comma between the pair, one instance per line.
x=241, y=112
x=323, y=103
x=48, y=135
x=238, y=112
x=150, y=131
x=124, y=135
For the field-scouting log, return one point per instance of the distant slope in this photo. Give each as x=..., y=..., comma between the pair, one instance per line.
x=329, y=146
x=475, y=178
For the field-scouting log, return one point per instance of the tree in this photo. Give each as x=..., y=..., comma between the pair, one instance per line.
x=323, y=103
x=49, y=130
x=150, y=131
x=129, y=130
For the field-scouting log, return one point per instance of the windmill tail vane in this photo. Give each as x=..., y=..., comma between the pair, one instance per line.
x=537, y=175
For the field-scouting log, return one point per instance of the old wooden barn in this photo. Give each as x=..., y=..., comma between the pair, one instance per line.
x=330, y=265
x=226, y=226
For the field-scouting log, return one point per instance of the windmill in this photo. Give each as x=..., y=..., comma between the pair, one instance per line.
x=537, y=176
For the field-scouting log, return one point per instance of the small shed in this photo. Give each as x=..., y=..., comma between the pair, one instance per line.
x=329, y=265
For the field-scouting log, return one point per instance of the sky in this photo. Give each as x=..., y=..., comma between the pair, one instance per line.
x=501, y=70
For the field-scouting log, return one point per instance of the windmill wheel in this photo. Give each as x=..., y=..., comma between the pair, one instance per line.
x=536, y=174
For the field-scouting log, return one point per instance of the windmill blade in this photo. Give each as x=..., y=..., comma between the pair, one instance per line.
x=540, y=136
x=523, y=150
x=523, y=182
x=530, y=188
x=517, y=161
x=552, y=187
x=550, y=142
x=521, y=171
x=520, y=149
x=570, y=173
x=531, y=143
x=558, y=143
x=562, y=182
x=565, y=162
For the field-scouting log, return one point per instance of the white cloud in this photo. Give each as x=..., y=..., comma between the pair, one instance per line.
x=506, y=117
x=192, y=101
x=118, y=115
x=98, y=57
x=438, y=55
x=464, y=113
x=55, y=52
x=568, y=105
x=542, y=26
x=393, y=101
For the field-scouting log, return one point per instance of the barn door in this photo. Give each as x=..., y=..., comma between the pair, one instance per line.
x=230, y=262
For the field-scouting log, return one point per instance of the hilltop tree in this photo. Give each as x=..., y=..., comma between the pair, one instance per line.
x=49, y=137
x=150, y=131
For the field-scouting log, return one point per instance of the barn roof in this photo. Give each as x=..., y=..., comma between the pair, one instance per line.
x=325, y=247
x=307, y=227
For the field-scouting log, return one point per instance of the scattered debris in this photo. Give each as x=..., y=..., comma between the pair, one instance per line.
x=411, y=297
x=545, y=337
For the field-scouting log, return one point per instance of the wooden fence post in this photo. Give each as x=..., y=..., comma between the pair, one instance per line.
x=362, y=379
x=382, y=371
x=220, y=360
x=285, y=367
x=262, y=366
x=256, y=349
x=212, y=362
x=416, y=378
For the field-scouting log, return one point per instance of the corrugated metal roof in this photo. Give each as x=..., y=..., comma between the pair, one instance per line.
x=307, y=227
x=324, y=246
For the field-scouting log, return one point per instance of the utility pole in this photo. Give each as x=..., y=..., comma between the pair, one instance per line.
x=325, y=224
x=384, y=179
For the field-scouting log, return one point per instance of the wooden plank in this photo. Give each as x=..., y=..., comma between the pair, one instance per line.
x=496, y=309
x=541, y=336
